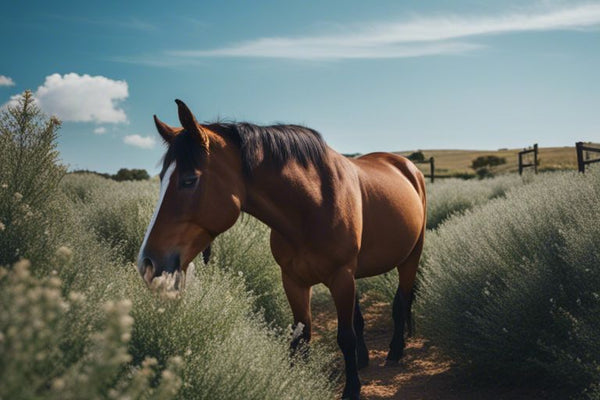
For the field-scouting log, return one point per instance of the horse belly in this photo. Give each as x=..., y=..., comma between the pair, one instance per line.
x=392, y=222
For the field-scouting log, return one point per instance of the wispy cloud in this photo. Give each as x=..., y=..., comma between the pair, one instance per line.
x=143, y=142
x=6, y=81
x=419, y=36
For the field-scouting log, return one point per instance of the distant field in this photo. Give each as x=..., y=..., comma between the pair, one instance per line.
x=449, y=162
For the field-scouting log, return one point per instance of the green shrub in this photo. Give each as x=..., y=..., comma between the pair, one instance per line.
x=117, y=212
x=125, y=174
x=454, y=196
x=487, y=161
x=29, y=177
x=244, y=250
x=511, y=289
x=228, y=351
x=43, y=357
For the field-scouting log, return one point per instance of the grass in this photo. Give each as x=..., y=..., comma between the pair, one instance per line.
x=449, y=162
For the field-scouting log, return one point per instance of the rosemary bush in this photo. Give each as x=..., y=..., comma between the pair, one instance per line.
x=244, y=250
x=511, y=290
x=29, y=178
x=454, y=196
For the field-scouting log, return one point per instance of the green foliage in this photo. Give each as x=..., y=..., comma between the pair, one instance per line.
x=511, y=289
x=29, y=177
x=117, y=213
x=487, y=161
x=228, y=351
x=416, y=156
x=453, y=196
x=125, y=174
x=483, y=173
x=38, y=326
x=244, y=250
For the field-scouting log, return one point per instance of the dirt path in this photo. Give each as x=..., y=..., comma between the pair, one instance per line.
x=423, y=372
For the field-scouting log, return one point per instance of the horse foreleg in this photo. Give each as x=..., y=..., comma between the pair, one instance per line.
x=342, y=289
x=299, y=299
x=362, y=353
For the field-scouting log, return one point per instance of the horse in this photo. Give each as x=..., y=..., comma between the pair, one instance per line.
x=333, y=219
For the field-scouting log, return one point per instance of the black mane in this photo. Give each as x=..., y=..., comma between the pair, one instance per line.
x=277, y=144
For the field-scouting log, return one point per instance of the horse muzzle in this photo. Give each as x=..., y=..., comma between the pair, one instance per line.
x=151, y=267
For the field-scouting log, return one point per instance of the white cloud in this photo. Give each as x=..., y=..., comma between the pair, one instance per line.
x=144, y=142
x=100, y=130
x=418, y=36
x=6, y=81
x=81, y=98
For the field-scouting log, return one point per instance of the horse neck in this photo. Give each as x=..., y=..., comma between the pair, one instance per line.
x=283, y=198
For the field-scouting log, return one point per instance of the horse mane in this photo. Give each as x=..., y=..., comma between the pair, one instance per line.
x=276, y=143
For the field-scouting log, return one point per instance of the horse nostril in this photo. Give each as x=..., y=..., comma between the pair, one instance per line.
x=147, y=270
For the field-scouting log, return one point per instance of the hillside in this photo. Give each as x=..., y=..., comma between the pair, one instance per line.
x=448, y=162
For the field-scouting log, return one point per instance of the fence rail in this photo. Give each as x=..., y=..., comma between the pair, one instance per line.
x=580, y=147
x=523, y=165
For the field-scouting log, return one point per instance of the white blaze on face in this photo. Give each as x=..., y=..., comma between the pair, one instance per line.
x=163, y=190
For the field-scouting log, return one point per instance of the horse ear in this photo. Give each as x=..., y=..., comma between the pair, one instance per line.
x=189, y=123
x=165, y=131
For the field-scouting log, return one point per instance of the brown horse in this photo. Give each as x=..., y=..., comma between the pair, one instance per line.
x=332, y=219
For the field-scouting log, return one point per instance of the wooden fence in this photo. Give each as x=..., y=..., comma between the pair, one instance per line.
x=580, y=147
x=534, y=164
x=431, y=163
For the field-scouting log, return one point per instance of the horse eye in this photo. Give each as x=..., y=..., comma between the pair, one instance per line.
x=189, y=181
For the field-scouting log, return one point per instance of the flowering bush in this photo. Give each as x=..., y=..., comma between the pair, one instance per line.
x=29, y=178
x=511, y=289
x=454, y=196
x=42, y=356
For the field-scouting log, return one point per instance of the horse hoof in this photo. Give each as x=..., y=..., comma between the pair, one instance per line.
x=350, y=394
x=393, y=357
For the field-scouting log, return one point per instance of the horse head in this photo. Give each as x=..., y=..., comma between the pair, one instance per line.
x=200, y=196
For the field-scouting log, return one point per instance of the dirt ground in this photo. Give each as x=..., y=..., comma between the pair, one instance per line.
x=424, y=373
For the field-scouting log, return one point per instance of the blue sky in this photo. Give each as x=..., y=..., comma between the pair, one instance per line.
x=370, y=76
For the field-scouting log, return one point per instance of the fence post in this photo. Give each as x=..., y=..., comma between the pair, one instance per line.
x=535, y=157
x=432, y=168
x=520, y=163
x=580, y=164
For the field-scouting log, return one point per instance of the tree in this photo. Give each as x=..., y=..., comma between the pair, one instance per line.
x=125, y=174
x=487, y=161
x=30, y=173
x=417, y=156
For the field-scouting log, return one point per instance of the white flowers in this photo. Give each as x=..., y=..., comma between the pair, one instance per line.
x=64, y=254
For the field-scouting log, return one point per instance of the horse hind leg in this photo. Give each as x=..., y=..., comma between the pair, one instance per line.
x=362, y=353
x=400, y=314
x=402, y=305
